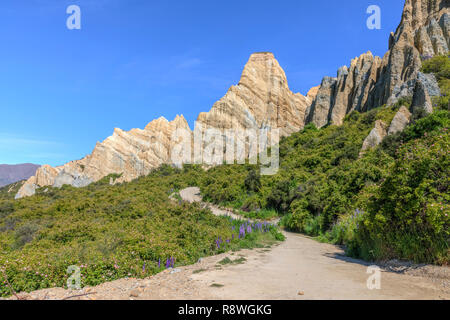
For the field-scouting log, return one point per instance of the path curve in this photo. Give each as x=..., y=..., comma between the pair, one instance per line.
x=302, y=268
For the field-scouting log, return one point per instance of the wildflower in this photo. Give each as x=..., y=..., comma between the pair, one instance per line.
x=242, y=232
x=218, y=244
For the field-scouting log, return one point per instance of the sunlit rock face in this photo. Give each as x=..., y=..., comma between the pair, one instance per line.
x=261, y=99
x=371, y=82
x=375, y=136
x=132, y=154
x=400, y=121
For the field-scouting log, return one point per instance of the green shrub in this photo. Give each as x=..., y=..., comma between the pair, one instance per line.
x=439, y=65
x=253, y=181
x=111, y=232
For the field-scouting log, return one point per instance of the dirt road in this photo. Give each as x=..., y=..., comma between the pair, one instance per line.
x=299, y=268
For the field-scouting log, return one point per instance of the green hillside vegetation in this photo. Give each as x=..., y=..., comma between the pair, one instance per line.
x=112, y=232
x=440, y=66
x=393, y=202
x=9, y=192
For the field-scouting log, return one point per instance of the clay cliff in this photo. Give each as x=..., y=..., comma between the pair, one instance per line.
x=132, y=154
x=262, y=99
x=371, y=82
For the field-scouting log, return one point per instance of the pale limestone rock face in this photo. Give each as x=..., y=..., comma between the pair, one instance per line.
x=444, y=22
x=319, y=112
x=354, y=86
x=423, y=42
x=421, y=99
x=437, y=38
x=418, y=35
x=312, y=93
x=349, y=91
x=261, y=99
x=132, y=154
x=375, y=137
x=371, y=82
x=400, y=121
x=44, y=176
x=407, y=88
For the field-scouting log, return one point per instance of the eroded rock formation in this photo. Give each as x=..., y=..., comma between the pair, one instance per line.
x=371, y=82
x=131, y=154
x=421, y=99
x=375, y=136
x=262, y=99
x=400, y=121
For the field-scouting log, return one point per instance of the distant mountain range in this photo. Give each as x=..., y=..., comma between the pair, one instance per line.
x=13, y=173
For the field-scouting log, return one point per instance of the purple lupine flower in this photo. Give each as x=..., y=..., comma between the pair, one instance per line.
x=159, y=263
x=242, y=231
x=143, y=268
x=218, y=243
x=167, y=263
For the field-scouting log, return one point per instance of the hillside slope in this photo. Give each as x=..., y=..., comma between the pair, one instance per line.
x=14, y=173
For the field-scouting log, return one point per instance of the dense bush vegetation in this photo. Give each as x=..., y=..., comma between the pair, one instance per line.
x=440, y=66
x=126, y=230
x=317, y=177
x=9, y=192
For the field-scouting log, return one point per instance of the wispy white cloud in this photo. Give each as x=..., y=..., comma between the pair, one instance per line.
x=189, y=63
x=187, y=69
x=6, y=140
x=21, y=149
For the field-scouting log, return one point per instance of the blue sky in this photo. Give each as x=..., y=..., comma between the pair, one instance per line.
x=63, y=90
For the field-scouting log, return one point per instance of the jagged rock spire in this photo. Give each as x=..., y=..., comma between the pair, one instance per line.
x=262, y=98
x=371, y=82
